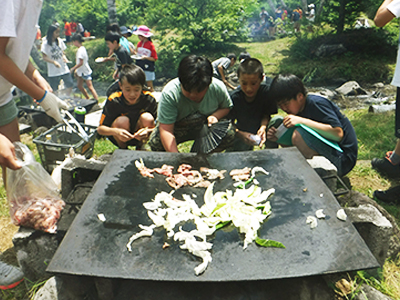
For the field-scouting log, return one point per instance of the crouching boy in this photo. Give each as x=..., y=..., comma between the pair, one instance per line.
x=187, y=103
x=315, y=125
x=128, y=115
x=252, y=106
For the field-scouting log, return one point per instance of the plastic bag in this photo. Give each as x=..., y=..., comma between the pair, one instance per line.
x=32, y=194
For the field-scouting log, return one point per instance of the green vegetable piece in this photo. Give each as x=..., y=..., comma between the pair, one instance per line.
x=269, y=243
x=218, y=207
x=221, y=225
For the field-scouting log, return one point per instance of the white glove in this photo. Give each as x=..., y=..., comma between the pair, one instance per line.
x=52, y=104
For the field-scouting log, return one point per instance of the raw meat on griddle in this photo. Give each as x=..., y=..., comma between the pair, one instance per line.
x=165, y=170
x=240, y=174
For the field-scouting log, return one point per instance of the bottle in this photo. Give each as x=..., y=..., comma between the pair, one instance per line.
x=48, y=138
x=79, y=114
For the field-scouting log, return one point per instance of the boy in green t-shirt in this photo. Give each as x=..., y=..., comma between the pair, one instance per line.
x=187, y=103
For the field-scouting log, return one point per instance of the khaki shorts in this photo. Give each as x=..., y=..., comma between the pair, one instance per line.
x=8, y=113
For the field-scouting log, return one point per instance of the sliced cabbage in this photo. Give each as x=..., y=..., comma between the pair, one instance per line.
x=245, y=208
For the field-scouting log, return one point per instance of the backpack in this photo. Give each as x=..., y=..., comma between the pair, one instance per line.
x=296, y=16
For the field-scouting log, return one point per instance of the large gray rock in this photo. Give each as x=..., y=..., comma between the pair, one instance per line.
x=351, y=88
x=373, y=227
x=67, y=287
x=329, y=50
x=356, y=199
x=34, y=250
x=369, y=293
x=324, y=92
x=381, y=108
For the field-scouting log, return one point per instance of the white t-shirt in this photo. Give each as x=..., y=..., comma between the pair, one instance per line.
x=55, y=52
x=394, y=8
x=312, y=15
x=19, y=22
x=226, y=62
x=85, y=68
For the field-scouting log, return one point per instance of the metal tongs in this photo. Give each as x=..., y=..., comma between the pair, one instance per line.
x=81, y=132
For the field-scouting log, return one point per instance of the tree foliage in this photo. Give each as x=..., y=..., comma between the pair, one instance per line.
x=93, y=14
x=199, y=23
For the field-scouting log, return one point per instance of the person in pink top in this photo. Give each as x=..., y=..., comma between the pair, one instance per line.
x=147, y=54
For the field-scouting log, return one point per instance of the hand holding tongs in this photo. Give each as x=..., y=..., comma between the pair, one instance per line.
x=81, y=132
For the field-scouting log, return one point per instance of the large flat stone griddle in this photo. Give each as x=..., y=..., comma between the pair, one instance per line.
x=93, y=248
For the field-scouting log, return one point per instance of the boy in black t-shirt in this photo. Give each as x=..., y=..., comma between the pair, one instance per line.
x=315, y=125
x=252, y=107
x=128, y=115
x=121, y=54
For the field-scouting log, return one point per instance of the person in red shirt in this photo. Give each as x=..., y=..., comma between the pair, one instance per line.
x=147, y=54
x=67, y=31
x=73, y=27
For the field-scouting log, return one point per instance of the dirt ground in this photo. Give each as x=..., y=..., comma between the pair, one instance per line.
x=7, y=231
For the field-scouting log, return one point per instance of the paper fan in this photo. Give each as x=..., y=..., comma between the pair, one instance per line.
x=210, y=137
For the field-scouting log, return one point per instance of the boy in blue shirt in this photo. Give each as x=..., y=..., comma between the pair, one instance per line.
x=252, y=106
x=324, y=124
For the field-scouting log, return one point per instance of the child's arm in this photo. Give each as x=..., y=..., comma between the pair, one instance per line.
x=10, y=71
x=326, y=130
x=262, y=131
x=50, y=61
x=118, y=133
x=222, y=73
x=168, y=138
x=28, y=82
x=77, y=65
x=383, y=15
x=37, y=78
x=217, y=115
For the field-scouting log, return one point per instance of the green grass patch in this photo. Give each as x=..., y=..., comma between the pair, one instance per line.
x=375, y=132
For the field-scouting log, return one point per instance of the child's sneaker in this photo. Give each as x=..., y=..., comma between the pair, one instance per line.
x=385, y=167
x=10, y=276
x=391, y=195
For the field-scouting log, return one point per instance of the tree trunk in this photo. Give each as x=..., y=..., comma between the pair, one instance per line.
x=304, y=6
x=319, y=9
x=342, y=14
x=272, y=6
x=283, y=4
x=112, y=11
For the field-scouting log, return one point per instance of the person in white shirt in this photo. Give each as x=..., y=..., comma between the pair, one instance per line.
x=18, y=28
x=389, y=166
x=82, y=68
x=53, y=54
x=311, y=13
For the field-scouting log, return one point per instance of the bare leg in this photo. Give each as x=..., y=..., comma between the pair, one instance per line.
x=150, y=85
x=91, y=89
x=121, y=122
x=298, y=141
x=81, y=87
x=146, y=120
